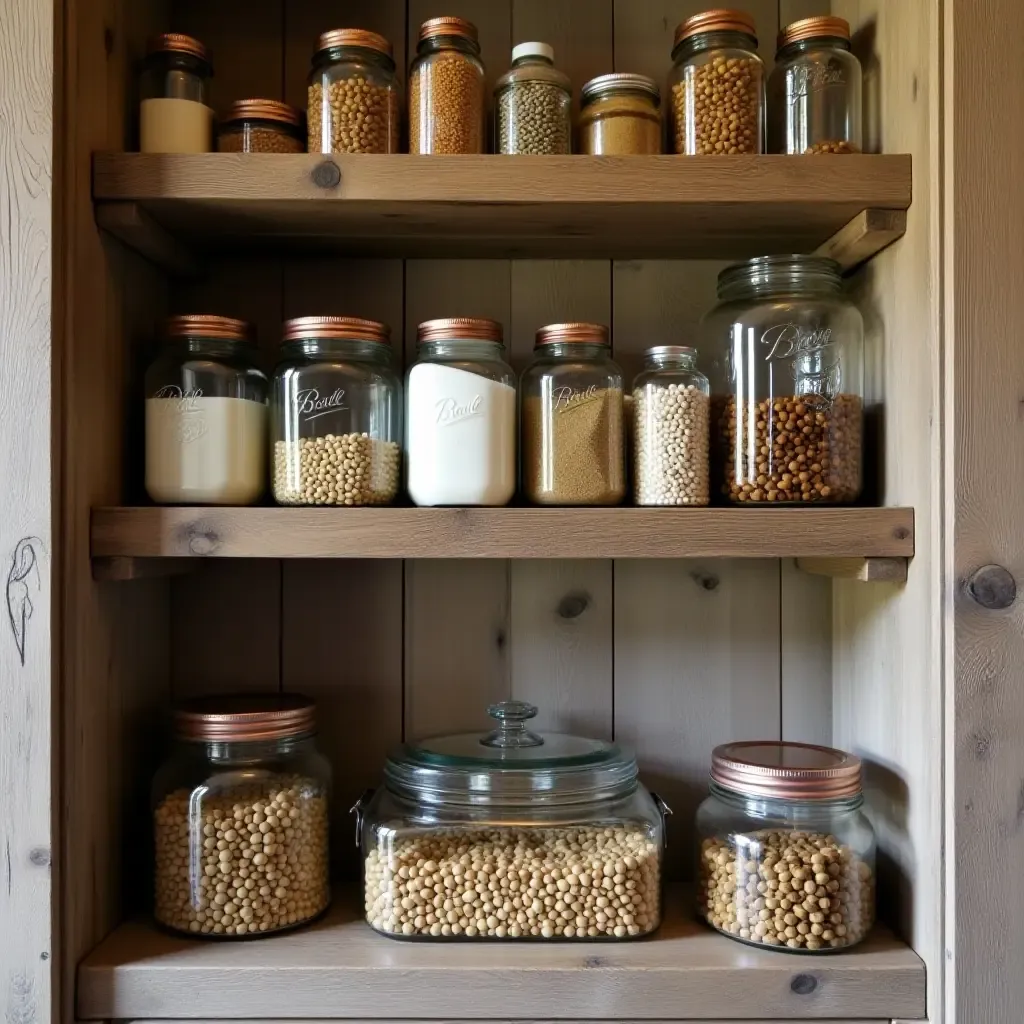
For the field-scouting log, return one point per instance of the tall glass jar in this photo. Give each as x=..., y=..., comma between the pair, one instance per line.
x=620, y=116
x=261, y=126
x=717, y=86
x=815, y=90
x=787, y=857
x=460, y=415
x=336, y=405
x=174, y=113
x=671, y=417
x=353, y=102
x=789, y=392
x=206, y=415
x=240, y=815
x=530, y=836
x=534, y=104
x=572, y=443
x=446, y=90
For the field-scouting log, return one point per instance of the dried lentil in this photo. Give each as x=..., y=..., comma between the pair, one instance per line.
x=446, y=105
x=717, y=107
x=338, y=469
x=362, y=117
x=672, y=441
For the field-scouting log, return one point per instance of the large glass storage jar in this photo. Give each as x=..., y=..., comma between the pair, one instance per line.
x=460, y=415
x=261, y=126
x=787, y=857
x=534, y=104
x=788, y=407
x=620, y=115
x=717, y=85
x=446, y=90
x=352, y=97
x=174, y=113
x=512, y=835
x=206, y=415
x=572, y=436
x=240, y=813
x=336, y=407
x=814, y=92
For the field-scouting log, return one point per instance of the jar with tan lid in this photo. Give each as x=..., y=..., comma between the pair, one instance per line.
x=620, y=116
x=787, y=857
x=174, y=113
x=261, y=126
x=240, y=812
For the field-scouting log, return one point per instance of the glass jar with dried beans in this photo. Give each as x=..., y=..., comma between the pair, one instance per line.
x=787, y=857
x=261, y=126
x=534, y=104
x=788, y=389
x=620, y=116
x=174, y=113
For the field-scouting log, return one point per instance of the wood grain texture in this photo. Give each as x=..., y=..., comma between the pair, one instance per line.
x=806, y=655
x=866, y=570
x=865, y=236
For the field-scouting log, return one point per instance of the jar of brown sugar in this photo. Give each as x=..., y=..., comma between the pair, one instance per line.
x=261, y=126
x=620, y=116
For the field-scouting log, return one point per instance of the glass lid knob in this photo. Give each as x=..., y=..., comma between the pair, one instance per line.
x=512, y=716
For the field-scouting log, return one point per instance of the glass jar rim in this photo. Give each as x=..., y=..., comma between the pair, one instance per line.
x=434, y=28
x=244, y=718
x=209, y=326
x=574, y=333
x=355, y=38
x=178, y=43
x=778, y=273
x=821, y=27
x=338, y=328
x=785, y=770
x=660, y=352
x=263, y=110
x=717, y=20
x=604, y=85
x=460, y=328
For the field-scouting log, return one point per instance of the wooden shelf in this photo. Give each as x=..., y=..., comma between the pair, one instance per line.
x=171, y=207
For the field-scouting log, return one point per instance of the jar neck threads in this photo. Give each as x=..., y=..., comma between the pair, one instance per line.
x=786, y=808
x=459, y=348
x=352, y=348
x=813, y=43
x=196, y=345
x=676, y=359
x=772, y=275
x=353, y=55
x=247, y=752
x=721, y=40
x=435, y=44
x=573, y=350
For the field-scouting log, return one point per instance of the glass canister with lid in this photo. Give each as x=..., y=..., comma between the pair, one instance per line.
x=620, y=115
x=240, y=812
x=787, y=856
x=174, y=113
x=261, y=126
x=534, y=104
x=512, y=835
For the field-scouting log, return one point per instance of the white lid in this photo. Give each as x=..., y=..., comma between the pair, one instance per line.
x=533, y=50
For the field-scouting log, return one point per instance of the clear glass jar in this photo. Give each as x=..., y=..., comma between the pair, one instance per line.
x=447, y=110
x=460, y=415
x=206, y=415
x=671, y=420
x=620, y=115
x=353, y=104
x=788, y=394
x=787, y=857
x=815, y=90
x=717, y=86
x=572, y=435
x=336, y=409
x=261, y=126
x=240, y=815
x=533, y=103
x=532, y=836
x=174, y=113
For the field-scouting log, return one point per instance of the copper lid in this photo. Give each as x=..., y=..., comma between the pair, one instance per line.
x=176, y=42
x=459, y=328
x=716, y=21
x=354, y=37
x=262, y=110
x=787, y=771
x=560, y=334
x=206, y=325
x=245, y=718
x=815, y=28
x=349, y=328
x=448, y=27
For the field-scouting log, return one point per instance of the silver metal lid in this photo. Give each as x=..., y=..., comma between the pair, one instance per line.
x=604, y=84
x=671, y=352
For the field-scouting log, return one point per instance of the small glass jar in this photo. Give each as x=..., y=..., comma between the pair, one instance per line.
x=518, y=805
x=717, y=86
x=572, y=443
x=534, y=104
x=620, y=115
x=261, y=126
x=240, y=815
x=336, y=409
x=174, y=113
x=787, y=857
x=353, y=104
x=788, y=405
x=206, y=415
x=815, y=90
x=446, y=90
x=460, y=415
x=671, y=419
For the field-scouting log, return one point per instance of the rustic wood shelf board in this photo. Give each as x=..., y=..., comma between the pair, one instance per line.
x=594, y=207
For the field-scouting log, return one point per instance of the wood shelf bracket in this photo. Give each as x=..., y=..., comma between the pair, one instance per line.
x=865, y=236
x=135, y=228
x=866, y=570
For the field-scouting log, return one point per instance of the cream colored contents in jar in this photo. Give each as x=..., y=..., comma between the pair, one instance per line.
x=175, y=126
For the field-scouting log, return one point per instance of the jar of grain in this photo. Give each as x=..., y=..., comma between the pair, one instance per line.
x=534, y=104
x=814, y=92
x=336, y=408
x=528, y=836
x=353, y=104
x=261, y=126
x=717, y=86
x=446, y=90
x=572, y=437
x=620, y=116
x=206, y=415
x=174, y=113
x=240, y=814
x=788, y=382
x=787, y=857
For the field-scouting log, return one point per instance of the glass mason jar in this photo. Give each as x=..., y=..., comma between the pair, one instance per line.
x=717, y=86
x=671, y=419
x=534, y=104
x=815, y=90
x=788, y=406
x=446, y=90
x=787, y=858
x=572, y=443
x=206, y=415
x=240, y=814
x=174, y=113
x=336, y=409
x=460, y=415
x=261, y=126
x=353, y=104
x=620, y=115
x=533, y=836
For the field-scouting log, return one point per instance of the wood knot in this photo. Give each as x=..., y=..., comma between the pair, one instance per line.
x=901, y=533
x=203, y=543
x=572, y=606
x=803, y=984
x=705, y=580
x=326, y=174
x=594, y=961
x=40, y=856
x=992, y=587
